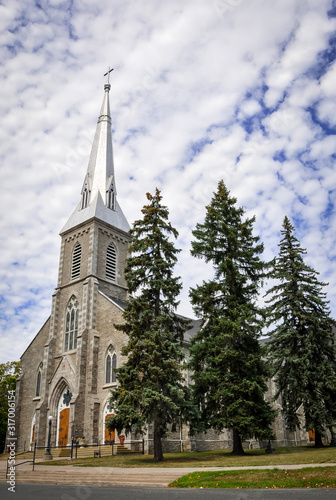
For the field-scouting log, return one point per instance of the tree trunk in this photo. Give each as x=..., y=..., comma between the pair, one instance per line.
x=318, y=439
x=237, y=444
x=158, y=455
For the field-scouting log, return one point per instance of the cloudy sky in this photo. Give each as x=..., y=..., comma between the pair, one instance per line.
x=240, y=90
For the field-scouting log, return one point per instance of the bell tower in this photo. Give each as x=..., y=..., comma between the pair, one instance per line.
x=66, y=379
x=93, y=256
x=95, y=237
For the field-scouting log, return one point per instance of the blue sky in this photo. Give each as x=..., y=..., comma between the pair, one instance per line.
x=238, y=90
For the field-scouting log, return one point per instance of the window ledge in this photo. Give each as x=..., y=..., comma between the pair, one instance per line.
x=37, y=398
x=112, y=384
x=70, y=352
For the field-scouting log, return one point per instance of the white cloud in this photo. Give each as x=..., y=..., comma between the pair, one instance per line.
x=190, y=89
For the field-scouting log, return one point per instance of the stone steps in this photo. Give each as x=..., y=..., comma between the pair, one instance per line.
x=93, y=478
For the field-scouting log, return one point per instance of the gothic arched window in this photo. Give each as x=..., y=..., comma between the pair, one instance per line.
x=71, y=324
x=111, y=262
x=76, y=261
x=110, y=366
x=38, y=381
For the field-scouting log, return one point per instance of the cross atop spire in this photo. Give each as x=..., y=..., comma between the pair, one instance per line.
x=108, y=74
x=107, y=85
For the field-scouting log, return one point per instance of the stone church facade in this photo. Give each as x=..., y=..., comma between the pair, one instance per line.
x=68, y=369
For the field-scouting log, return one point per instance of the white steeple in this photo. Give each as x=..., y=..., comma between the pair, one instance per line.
x=99, y=193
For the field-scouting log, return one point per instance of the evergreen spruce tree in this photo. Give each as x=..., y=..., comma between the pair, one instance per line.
x=151, y=386
x=226, y=357
x=302, y=347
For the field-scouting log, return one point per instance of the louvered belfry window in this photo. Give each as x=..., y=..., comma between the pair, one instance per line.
x=76, y=261
x=111, y=262
x=71, y=325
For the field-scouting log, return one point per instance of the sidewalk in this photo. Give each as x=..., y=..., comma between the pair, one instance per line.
x=116, y=476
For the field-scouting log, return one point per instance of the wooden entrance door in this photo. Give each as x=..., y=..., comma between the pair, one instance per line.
x=109, y=435
x=63, y=431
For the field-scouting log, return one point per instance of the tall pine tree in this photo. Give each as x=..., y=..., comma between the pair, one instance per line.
x=302, y=347
x=226, y=357
x=151, y=386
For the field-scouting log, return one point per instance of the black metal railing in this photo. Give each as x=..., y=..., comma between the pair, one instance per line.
x=77, y=450
x=24, y=454
x=108, y=449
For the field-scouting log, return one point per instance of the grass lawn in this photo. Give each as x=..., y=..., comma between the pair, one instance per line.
x=222, y=458
x=316, y=477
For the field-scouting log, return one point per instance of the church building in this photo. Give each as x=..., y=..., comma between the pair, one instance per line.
x=69, y=367
x=68, y=370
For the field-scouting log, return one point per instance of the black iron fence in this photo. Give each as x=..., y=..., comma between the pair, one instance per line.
x=111, y=449
x=76, y=450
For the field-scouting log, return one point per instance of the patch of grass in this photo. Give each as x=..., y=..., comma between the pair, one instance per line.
x=222, y=458
x=316, y=477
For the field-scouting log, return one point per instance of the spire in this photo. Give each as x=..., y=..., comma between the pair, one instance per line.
x=99, y=193
x=100, y=172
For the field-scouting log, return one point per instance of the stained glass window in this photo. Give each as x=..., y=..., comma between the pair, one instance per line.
x=38, y=381
x=111, y=365
x=114, y=366
x=71, y=325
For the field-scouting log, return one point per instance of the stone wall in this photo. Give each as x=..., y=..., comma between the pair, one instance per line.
x=27, y=401
x=108, y=315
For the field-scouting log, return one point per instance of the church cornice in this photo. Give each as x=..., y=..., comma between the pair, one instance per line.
x=77, y=234
x=114, y=234
x=87, y=277
x=112, y=230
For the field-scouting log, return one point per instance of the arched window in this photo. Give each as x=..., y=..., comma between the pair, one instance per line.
x=110, y=366
x=76, y=261
x=71, y=324
x=38, y=381
x=111, y=262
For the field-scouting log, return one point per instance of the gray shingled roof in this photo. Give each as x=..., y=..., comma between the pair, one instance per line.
x=195, y=324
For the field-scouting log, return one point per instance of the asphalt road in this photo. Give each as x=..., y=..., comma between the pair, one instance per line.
x=57, y=492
